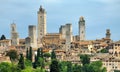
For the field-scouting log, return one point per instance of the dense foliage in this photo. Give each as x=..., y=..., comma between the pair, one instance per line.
x=53, y=55
x=54, y=65
x=12, y=54
x=21, y=63
x=104, y=50
x=3, y=37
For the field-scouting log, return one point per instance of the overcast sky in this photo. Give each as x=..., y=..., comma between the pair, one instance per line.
x=99, y=16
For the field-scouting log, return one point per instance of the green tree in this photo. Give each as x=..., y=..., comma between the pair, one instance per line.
x=69, y=67
x=38, y=54
x=21, y=63
x=85, y=59
x=86, y=68
x=40, y=62
x=64, y=69
x=35, y=62
x=8, y=67
x=116, y=70
x=76, y=68
x=15, y=68
x=12, y=55
x=27, y=54
x=30, y=54
x=28, y=69
x=93, y=67
x=104, y=50
x=28, y=63
x=96, y=67
x=53, y=55
x=41, y=52
x=5, y=67
x=63, y=66
x=39, y=69
x=54, y=67
x=47, y=55
x=3, y=37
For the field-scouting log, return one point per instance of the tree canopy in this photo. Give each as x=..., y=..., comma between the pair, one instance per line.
x=104, y=50
x=85, y=59
x=54, y=67
x=13, y=55
x=21, y=63
x=3, y=37
x=53, y=55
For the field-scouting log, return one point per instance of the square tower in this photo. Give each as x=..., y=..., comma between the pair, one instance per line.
x=41, y=25
x=81, y=29
x=14, y=35
x=32, y=35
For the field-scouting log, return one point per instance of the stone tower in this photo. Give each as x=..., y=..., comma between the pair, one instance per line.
x=108, y=34
x=68, y=36
x=27, y=42
x=41, y=25
x=32, y=35
x=81, y=29
x=66, y=32
x=62, y=31
x=14, y=35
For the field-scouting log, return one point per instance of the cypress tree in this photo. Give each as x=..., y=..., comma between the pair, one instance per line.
x=53, y=55
x=41, y=52
x=27, y=54
x=39, y=60
x=69, y=67
x=30, y=54
x=38, y=54
x=21, y=63
x=54, y=67
x=35, y=63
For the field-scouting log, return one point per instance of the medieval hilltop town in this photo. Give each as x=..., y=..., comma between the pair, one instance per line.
x=66, y=46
